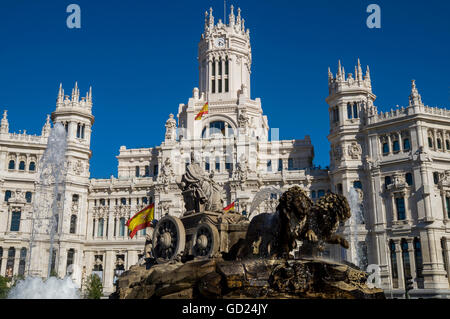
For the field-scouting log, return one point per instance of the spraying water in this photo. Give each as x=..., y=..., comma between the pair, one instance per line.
x=52, y=288
x=49, y=199
x=47, y=206
x=358, y=255
x=262, y=195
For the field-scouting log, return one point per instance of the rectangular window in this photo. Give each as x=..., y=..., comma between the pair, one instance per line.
x=290, y=164
x=447, y=201
x=269, y=165
x=226, y=67
x=320, y=193
x=15, y=221
x=280, y=164
x=217, y=164
x=137, y=171
x=220, y=85
x=155, y=170
x=349, y=111
x=213, y=86
x=226, y=85
x=400, y=205
x=147, y=171
x=207, y=164
x=355, y=111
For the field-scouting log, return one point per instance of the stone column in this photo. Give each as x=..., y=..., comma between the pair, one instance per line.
x=4, y=260
x=110, y=227
x=433, y=264
x=400, y=268
x=108, y=271
x=412, y=260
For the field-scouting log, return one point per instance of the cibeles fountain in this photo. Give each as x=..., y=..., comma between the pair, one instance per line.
x=48, y=205
x=211, y=253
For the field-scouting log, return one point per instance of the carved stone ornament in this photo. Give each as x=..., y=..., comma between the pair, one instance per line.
x=354, y=150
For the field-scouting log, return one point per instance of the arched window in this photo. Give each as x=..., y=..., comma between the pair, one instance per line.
x=32, y=167
x=430, y=142
x=82, y=131
x=21, y=166
x=418, y=257
x=439, y=143
x=102, y=202
x=447, y=144
x=122, y=227
x=15, y=221
x=147, y=171
x=355, y=110
x=10, y=262
x=73, y=224
x=12, y=164
x=394, y=269
x=22, y=261
x=349, y=111
x=406, y=145
x=405, y=258
x=400, y=207
x=101, y=223
x=123, y=201
x=28, y=197
x=7, y=195
x=385, y=148
x=216, y=127
x=78, y=130
x=395, y=146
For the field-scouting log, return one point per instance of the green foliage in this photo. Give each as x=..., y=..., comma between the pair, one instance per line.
x=53, y=273
x=16, y=279
x=94, y=287
x=4, y=289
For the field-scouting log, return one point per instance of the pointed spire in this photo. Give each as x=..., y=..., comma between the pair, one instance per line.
x=414, y=97
x=343, y=74
x=211, y=17
x=238, y=19
x=330, y=75
x=60, y=98
x=339, y=71
x=206, y=20
x=243, y=25
x=359, y=75
x=367, y=73
x=231, y=16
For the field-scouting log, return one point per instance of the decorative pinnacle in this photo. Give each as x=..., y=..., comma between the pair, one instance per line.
x=5, y=115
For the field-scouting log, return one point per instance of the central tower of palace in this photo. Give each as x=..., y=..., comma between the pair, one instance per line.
x=225, y=57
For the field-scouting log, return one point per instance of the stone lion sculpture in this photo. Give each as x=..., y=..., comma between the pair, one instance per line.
x=275, y=235
x=324, y=219
x=296, y=218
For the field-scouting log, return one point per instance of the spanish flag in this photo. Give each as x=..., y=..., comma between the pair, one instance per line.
x=229, y=208
x=203, y=111
x=141, y=220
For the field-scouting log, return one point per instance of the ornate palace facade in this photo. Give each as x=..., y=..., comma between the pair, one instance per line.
x=399, y=162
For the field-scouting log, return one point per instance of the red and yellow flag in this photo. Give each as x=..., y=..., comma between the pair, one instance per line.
x=141, y=220
x=203, y=111
x=229, y=208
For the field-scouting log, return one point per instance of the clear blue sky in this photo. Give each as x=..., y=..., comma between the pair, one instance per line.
x=140, y=58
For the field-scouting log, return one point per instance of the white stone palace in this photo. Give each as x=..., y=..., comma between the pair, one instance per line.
x=398, y=161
